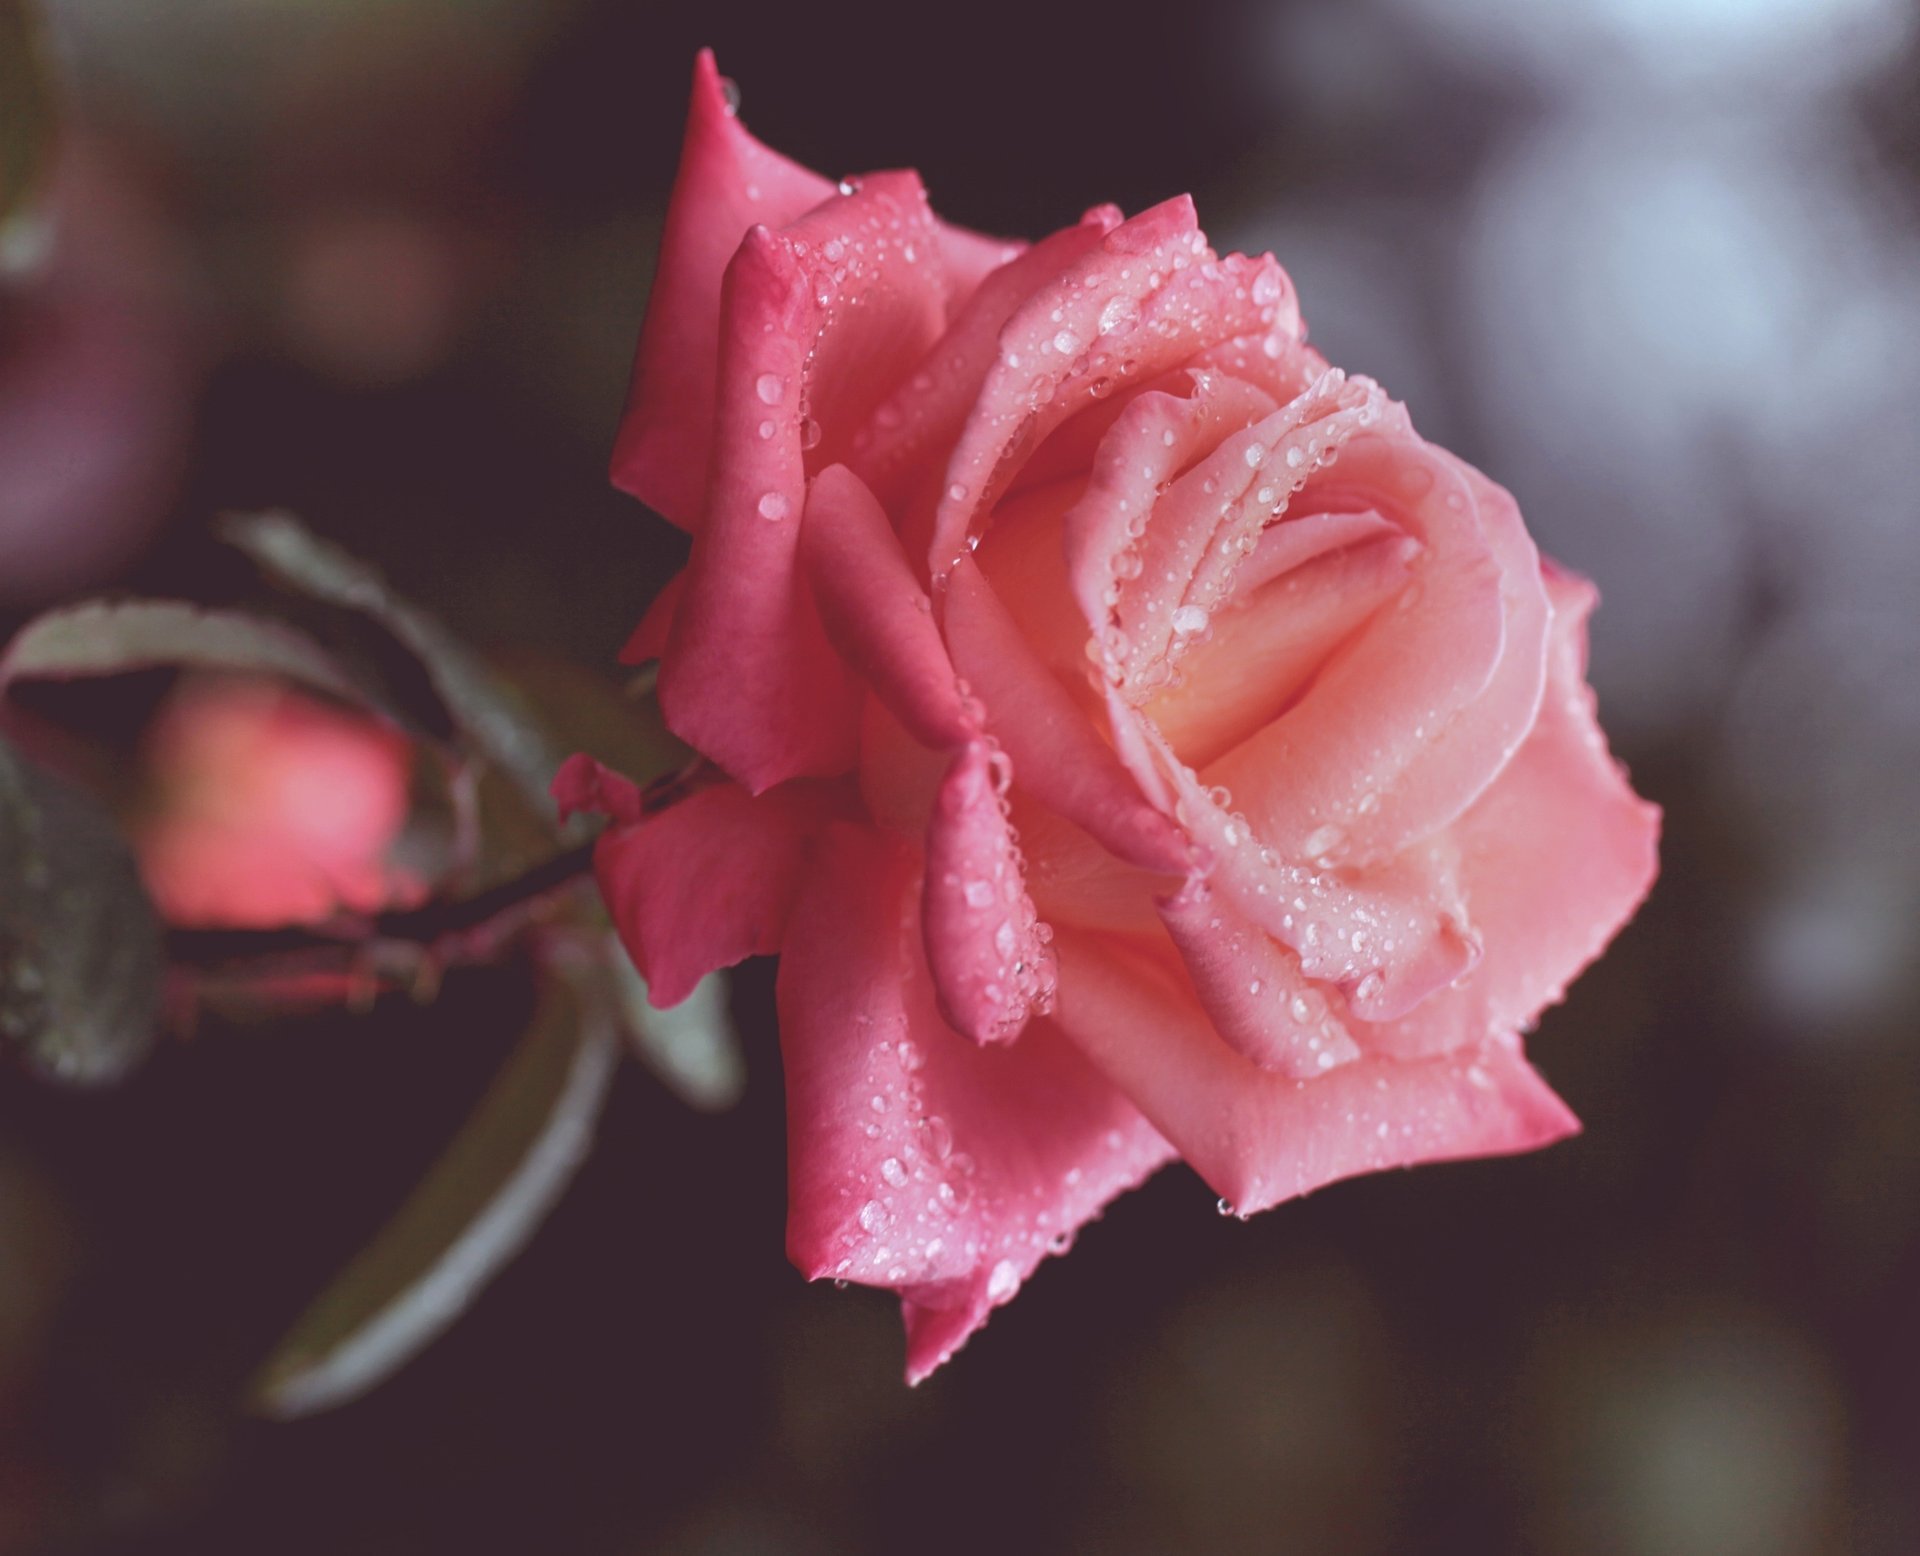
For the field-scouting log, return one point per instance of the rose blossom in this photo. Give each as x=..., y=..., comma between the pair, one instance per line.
x=1134, y=739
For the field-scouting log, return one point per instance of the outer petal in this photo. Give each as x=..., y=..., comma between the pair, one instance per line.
x=818, y=319
x=705, y=882
x=727, y=182
x=1259, y=1137
x=1554, y=858
x=918, y=1161
x=991, y=964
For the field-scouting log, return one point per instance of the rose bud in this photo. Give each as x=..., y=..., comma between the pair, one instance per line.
x=1137, y=741
x=270, y=808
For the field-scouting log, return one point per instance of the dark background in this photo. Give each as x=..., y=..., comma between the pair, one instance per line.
x=1655, y=267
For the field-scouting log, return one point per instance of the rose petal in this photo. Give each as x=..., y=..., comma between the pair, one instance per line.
x=991, y=965
x=975, y=1163
x=816, y=319
x=1388, y=937
x=1157, y=435
x=1554, y=858
x=1410, y=724
x=649, y=639
x=1290, y=628
x=727, y=182
x=1057, y=757
x=1252, y=990
x=876, y=612
x=1259, y=1137
x=1144, y=301
x=706, y=882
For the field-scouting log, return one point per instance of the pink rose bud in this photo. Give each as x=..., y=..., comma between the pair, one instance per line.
x=1142, y=744
x=270, y=808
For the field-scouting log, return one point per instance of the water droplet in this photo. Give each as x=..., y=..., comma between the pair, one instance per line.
x=767, y=429
x=1322, y=841
x=1066, y=343
x=730, y=96
x=958, y=491
x=1189, y=619
x=769, y=386
x=872, y=1216
x=1004, y=1281
x=773, y=505
x=809, y=433
x=894, y=1174
x=1256, y=456
x=978, y=894
x=849, y=186
x=1225, y=1207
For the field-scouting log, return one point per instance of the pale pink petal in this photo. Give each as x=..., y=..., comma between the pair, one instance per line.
x=1289, y=628
x=1252, y=988
x=1156, y=436
x=1208, y=522
x=727, y=183
x=875, y=611
x=1150, y=296
x=916, y=1159
x=1057, y=756
x=1554, y=858
x=1259, y=1137
x=988, y=953
x=1410, y=724
x=1388, y=937
x=709, y=880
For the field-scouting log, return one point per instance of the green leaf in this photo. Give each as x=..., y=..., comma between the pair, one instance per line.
x=80, y=948
x=496, y=722
x=27, y=116
x=475, y=1210
x=112, y=637
x=691, y=1047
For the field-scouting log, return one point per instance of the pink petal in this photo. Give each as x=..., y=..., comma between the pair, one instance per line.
x=876, y=612
x=1259, y=1137
x=1289, y=628
x=968, y=258
x=991, y=965
x=727, y=182
x=1554, y=858
x=1210, y=520
x=1253, y=990
x=917, y=1160
x=1409, y=725
x=709, y=880
x=817, y=320
x=1148, y=298
x=1156, y=436
x=649, y=640
x=1389, y=936
x=926, y=409
x=1057, y=757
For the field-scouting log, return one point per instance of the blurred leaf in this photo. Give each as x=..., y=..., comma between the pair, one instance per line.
x=481, y=704
x=477, y=1207
x=693, y=1047
x=80, y=948
x=27, y=115
x=108, y=637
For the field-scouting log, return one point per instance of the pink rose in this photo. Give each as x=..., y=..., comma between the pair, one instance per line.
x=1135, y=740
x=270, y=808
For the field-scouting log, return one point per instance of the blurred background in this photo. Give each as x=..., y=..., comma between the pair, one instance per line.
x=1654, y=264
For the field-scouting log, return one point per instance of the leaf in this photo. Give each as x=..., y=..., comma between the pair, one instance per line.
x=27, y=116
x=80, y=948
x=482, y=706
x=693, y=1047
x=112, y=637
x=477, y=1207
